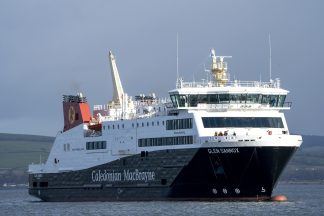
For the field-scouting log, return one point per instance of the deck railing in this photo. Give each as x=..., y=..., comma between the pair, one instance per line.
x=235, y=83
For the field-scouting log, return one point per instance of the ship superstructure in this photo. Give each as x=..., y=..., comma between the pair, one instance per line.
x=211, y=140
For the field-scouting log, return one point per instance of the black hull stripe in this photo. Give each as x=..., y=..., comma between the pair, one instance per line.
x=241, y=173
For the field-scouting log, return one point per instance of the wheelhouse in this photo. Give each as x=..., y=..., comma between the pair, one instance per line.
x=192, y=100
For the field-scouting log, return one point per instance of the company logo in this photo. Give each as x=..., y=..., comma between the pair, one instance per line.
x=126, y=175
x=71, y=115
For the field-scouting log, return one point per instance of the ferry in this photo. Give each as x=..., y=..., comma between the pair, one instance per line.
x=218, y=139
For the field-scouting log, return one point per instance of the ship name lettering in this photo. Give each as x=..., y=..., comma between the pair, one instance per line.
x=223, y=151
x=229, y=150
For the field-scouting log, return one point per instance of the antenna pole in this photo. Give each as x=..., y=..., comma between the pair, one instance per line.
x=270, y=63
x=177, y=57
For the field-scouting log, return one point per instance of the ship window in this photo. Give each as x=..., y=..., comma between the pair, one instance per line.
x=113, y=126
x=281, y=100
x=142, y=124
x=202, y=99
x=273, y=100
x=34, y=184
x=174, y=100
x=162, y=141
x=152, y=123
x=182, y=100
x=253, y=98
x=96, y=145
x=147, y=124
x=158, y=123
x=132, y=124
x=118, y=126
x=108, y=127
x=193, y=100
x=177, y=124
x=223, y=98
x=162, y=122
x=242, y=98
x=123, y=125
x=213, y=98
x=265, y=99
x=233, y=98
x=241, y=122
x=179, y=100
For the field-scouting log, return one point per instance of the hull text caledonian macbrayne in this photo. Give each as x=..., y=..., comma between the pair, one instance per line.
x=212, y=140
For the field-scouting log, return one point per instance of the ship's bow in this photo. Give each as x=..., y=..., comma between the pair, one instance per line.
x=245, y=172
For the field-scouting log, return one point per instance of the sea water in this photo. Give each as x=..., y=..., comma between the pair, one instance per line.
x=303, y=199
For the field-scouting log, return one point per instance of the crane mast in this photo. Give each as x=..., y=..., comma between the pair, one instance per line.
x=118, y=91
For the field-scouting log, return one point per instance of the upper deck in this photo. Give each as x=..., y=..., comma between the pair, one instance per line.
x=217, y=94
x=236, y=86
x=230, y=95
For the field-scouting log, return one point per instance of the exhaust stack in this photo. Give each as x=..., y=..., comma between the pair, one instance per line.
x=76, y=111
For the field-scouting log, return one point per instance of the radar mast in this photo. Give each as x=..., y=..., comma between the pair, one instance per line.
x=219, y=68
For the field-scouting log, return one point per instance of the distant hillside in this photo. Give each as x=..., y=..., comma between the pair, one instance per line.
x=24, y=137
x=308, y=162
x=17, y=151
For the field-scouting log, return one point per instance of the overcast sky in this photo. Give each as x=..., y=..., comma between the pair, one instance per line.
x=50, y=48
